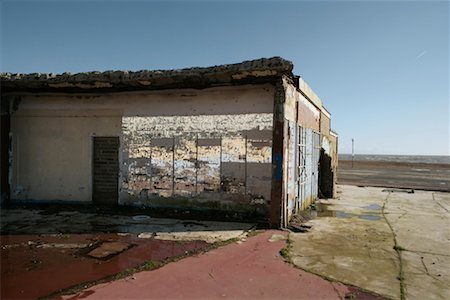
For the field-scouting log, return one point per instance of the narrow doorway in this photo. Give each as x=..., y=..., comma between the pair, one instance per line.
x=106, y=170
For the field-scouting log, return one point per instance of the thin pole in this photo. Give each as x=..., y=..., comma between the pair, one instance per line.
x=151, y=169
x=173, y=166
x=245, y=171
x=353, y=151
x=220, y=166
x=196, y=165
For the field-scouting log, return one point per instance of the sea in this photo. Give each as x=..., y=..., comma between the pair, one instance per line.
x=430, y=159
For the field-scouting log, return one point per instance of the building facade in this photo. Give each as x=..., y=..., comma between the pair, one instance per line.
x=245, y=137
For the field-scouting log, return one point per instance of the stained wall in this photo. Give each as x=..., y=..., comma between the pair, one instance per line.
x=206, y=148
x=213, y=153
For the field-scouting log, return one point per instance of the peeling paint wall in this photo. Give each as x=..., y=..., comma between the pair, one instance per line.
x=223, y=157
x=302, y=150
x=206, y=148
x=301, y=110
x=211, y=149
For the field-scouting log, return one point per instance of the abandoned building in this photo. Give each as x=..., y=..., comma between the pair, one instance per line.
x=243, y=137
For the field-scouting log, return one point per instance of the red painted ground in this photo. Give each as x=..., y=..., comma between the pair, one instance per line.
x=29, y=271
x=251, y=270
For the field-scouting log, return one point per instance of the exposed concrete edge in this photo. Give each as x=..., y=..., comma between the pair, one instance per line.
x=334, y=133
x=311, y=96
x=209, y=237
x=326, y=112
x=309, y=93
x=259, y=70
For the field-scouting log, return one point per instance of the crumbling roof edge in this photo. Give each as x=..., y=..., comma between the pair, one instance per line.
x=258, y=70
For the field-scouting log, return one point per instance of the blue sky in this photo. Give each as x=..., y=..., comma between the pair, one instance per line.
x=381, y=67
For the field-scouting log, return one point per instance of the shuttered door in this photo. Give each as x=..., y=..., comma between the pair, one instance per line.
x=106, y=170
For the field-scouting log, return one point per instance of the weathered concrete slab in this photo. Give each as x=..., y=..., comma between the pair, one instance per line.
x=422, y=228
x=392, y=243
x=206, y=236
x=43, y=221
x=109, y=248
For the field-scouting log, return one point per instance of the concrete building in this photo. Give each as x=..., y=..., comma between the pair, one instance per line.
x=244, y=137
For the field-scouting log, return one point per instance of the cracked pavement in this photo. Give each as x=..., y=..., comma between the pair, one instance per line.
x=393, y=243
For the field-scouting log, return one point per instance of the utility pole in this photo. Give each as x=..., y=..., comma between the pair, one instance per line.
x=353, y=151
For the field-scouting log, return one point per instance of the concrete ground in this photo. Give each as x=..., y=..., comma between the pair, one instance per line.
x=424, y=176
x=249, y=269
x=393, y=243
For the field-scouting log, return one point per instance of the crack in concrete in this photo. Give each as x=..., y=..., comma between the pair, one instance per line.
x=397, y=250
x=432, y=196
x=424, y=265
x=435, y=277
x=426, y=252
x=402, y=215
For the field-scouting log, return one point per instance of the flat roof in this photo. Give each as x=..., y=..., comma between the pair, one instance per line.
x=252, y=71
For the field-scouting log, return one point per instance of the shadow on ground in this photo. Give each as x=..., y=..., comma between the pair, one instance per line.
x=63, y=218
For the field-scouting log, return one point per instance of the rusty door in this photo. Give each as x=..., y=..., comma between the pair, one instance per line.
x=105, y=170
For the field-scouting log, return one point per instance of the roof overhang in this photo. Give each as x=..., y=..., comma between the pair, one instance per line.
x=254, y=71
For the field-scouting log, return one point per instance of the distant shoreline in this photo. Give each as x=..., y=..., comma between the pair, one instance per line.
x=395, y=174
x=428, y=159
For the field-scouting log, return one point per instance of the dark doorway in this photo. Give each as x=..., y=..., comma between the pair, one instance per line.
x=106, y=170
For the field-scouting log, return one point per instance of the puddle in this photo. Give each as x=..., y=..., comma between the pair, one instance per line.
x=324, y=211
x=344, y=215
x=373, y=207
x=140, y=217
x=29, y=272
x=369, y=217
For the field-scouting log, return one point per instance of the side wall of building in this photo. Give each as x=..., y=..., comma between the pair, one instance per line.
x=302, y=119
x=196, y=148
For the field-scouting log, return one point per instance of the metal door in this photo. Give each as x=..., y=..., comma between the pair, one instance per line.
x=315, y=165
x=105, y=170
